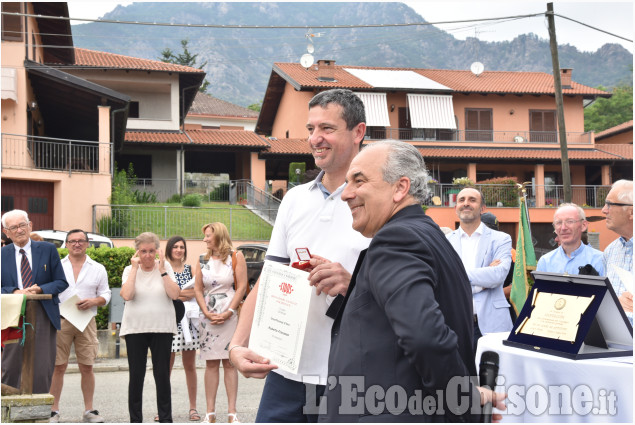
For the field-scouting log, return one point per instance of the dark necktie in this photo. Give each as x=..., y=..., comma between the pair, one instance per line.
x=25, y=271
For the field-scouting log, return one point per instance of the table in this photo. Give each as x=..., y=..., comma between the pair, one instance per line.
x=546, y=388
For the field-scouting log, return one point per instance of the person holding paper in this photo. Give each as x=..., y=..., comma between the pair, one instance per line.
x=149, y=321
x=619, y=254
x=311, y=216
x=220, y=283
x=30, y=267
x=569, y=222
x=88, y=280
x=406, y=320
x=184, y=342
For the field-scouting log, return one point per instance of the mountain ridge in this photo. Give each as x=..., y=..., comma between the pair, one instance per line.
x=239, y=61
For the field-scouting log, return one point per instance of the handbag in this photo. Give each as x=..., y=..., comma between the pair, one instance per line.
x=179, y=310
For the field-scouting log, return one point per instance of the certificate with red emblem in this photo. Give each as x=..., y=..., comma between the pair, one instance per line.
x=280, y=317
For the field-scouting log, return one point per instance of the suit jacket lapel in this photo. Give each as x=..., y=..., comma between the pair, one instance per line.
x=351, y=285
x=483, y=246
x=455, y=240
x=9, y=263
x=36, y=260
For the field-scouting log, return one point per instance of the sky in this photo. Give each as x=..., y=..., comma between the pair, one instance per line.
x=612, y=16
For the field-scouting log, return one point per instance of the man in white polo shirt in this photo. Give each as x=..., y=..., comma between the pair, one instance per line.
x=311, y=216
x=89, y=281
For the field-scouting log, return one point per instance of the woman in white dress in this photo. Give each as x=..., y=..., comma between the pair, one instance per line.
x=219, y=298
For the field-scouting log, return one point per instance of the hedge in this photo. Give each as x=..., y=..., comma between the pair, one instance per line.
x=114, y=260
x=504, y=191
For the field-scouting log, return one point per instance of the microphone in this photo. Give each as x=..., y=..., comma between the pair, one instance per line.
x=487, y=372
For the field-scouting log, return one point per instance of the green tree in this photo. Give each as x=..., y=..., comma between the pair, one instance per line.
x=186, y=58
x=255, y=107
x=607, y=113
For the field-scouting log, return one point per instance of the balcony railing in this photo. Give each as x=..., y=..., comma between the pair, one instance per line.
x=47, y=153
x=476, y=136
x=537, y=196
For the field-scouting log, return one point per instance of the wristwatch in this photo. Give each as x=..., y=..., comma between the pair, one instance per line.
x=232, y=310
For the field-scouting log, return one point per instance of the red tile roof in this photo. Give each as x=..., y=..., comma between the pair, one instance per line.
x=156, y=137
x=204, y=104
x=460, y=81
x=231, y=138
x=628, y=125
x=222, y=138
x=288, y=147
x=615, y=152
x=95, y=59
x=605, y=152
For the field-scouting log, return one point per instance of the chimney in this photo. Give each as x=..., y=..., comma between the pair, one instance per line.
x=326, y=70
x=565, y=77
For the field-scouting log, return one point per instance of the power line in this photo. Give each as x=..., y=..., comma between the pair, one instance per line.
x=411, y=24
x=167, y=24
x=592, y=27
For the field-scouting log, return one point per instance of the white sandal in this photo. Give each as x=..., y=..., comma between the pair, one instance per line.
x=210, y=418
x=232, y=418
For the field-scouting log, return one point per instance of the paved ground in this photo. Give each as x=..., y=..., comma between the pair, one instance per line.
x=111, y=394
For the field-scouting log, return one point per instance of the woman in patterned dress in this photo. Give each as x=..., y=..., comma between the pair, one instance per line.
x=219, y=301
x=176, y=254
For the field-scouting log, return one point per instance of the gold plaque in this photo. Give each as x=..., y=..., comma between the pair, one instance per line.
x=555, y=316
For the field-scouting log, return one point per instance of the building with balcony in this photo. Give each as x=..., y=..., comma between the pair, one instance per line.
x=58, y=130
x=71, y=114
x=491, y=125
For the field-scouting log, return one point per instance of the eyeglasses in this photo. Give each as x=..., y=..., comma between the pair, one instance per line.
x=19, y=226
x=569, y=223
x=610, y=204
x=76, y=242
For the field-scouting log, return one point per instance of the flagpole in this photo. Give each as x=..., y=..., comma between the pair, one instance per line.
x=523, y=190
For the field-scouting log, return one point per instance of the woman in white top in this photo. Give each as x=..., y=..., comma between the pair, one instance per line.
x=219, y=301
x=149, y=321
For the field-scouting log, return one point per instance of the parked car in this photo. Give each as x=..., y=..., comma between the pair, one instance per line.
x=255, y=258
x=58, y=237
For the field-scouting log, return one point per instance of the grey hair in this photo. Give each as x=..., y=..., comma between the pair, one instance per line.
x=577, y=207
x=353, y=111
x=624, y=190
x=12, y=213
x=404, y=160
x=147, y=237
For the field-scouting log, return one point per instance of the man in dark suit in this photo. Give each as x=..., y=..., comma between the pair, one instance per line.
x=30, y=267
x=401, y=344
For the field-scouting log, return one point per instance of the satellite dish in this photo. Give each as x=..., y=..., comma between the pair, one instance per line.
x=310, y=48
x=477, y=68
x=307, y=60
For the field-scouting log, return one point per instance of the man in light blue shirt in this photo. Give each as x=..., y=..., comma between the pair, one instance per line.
x=569, y=223
x=619, y=218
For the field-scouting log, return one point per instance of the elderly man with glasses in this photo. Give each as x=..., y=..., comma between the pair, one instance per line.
x=89, y=281
x=619, y=218
x=569, y=222
x=30, y=267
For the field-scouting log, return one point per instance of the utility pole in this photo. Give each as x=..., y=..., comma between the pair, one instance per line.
x=557, y=85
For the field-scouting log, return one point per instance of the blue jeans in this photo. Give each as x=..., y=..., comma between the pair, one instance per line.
x=283, y=400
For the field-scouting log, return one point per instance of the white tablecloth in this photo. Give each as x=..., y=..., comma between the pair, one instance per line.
x=546, y=388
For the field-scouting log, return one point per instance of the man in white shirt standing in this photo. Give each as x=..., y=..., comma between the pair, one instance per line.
x=479, y=247
x=311, y=216
x=89, y=281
